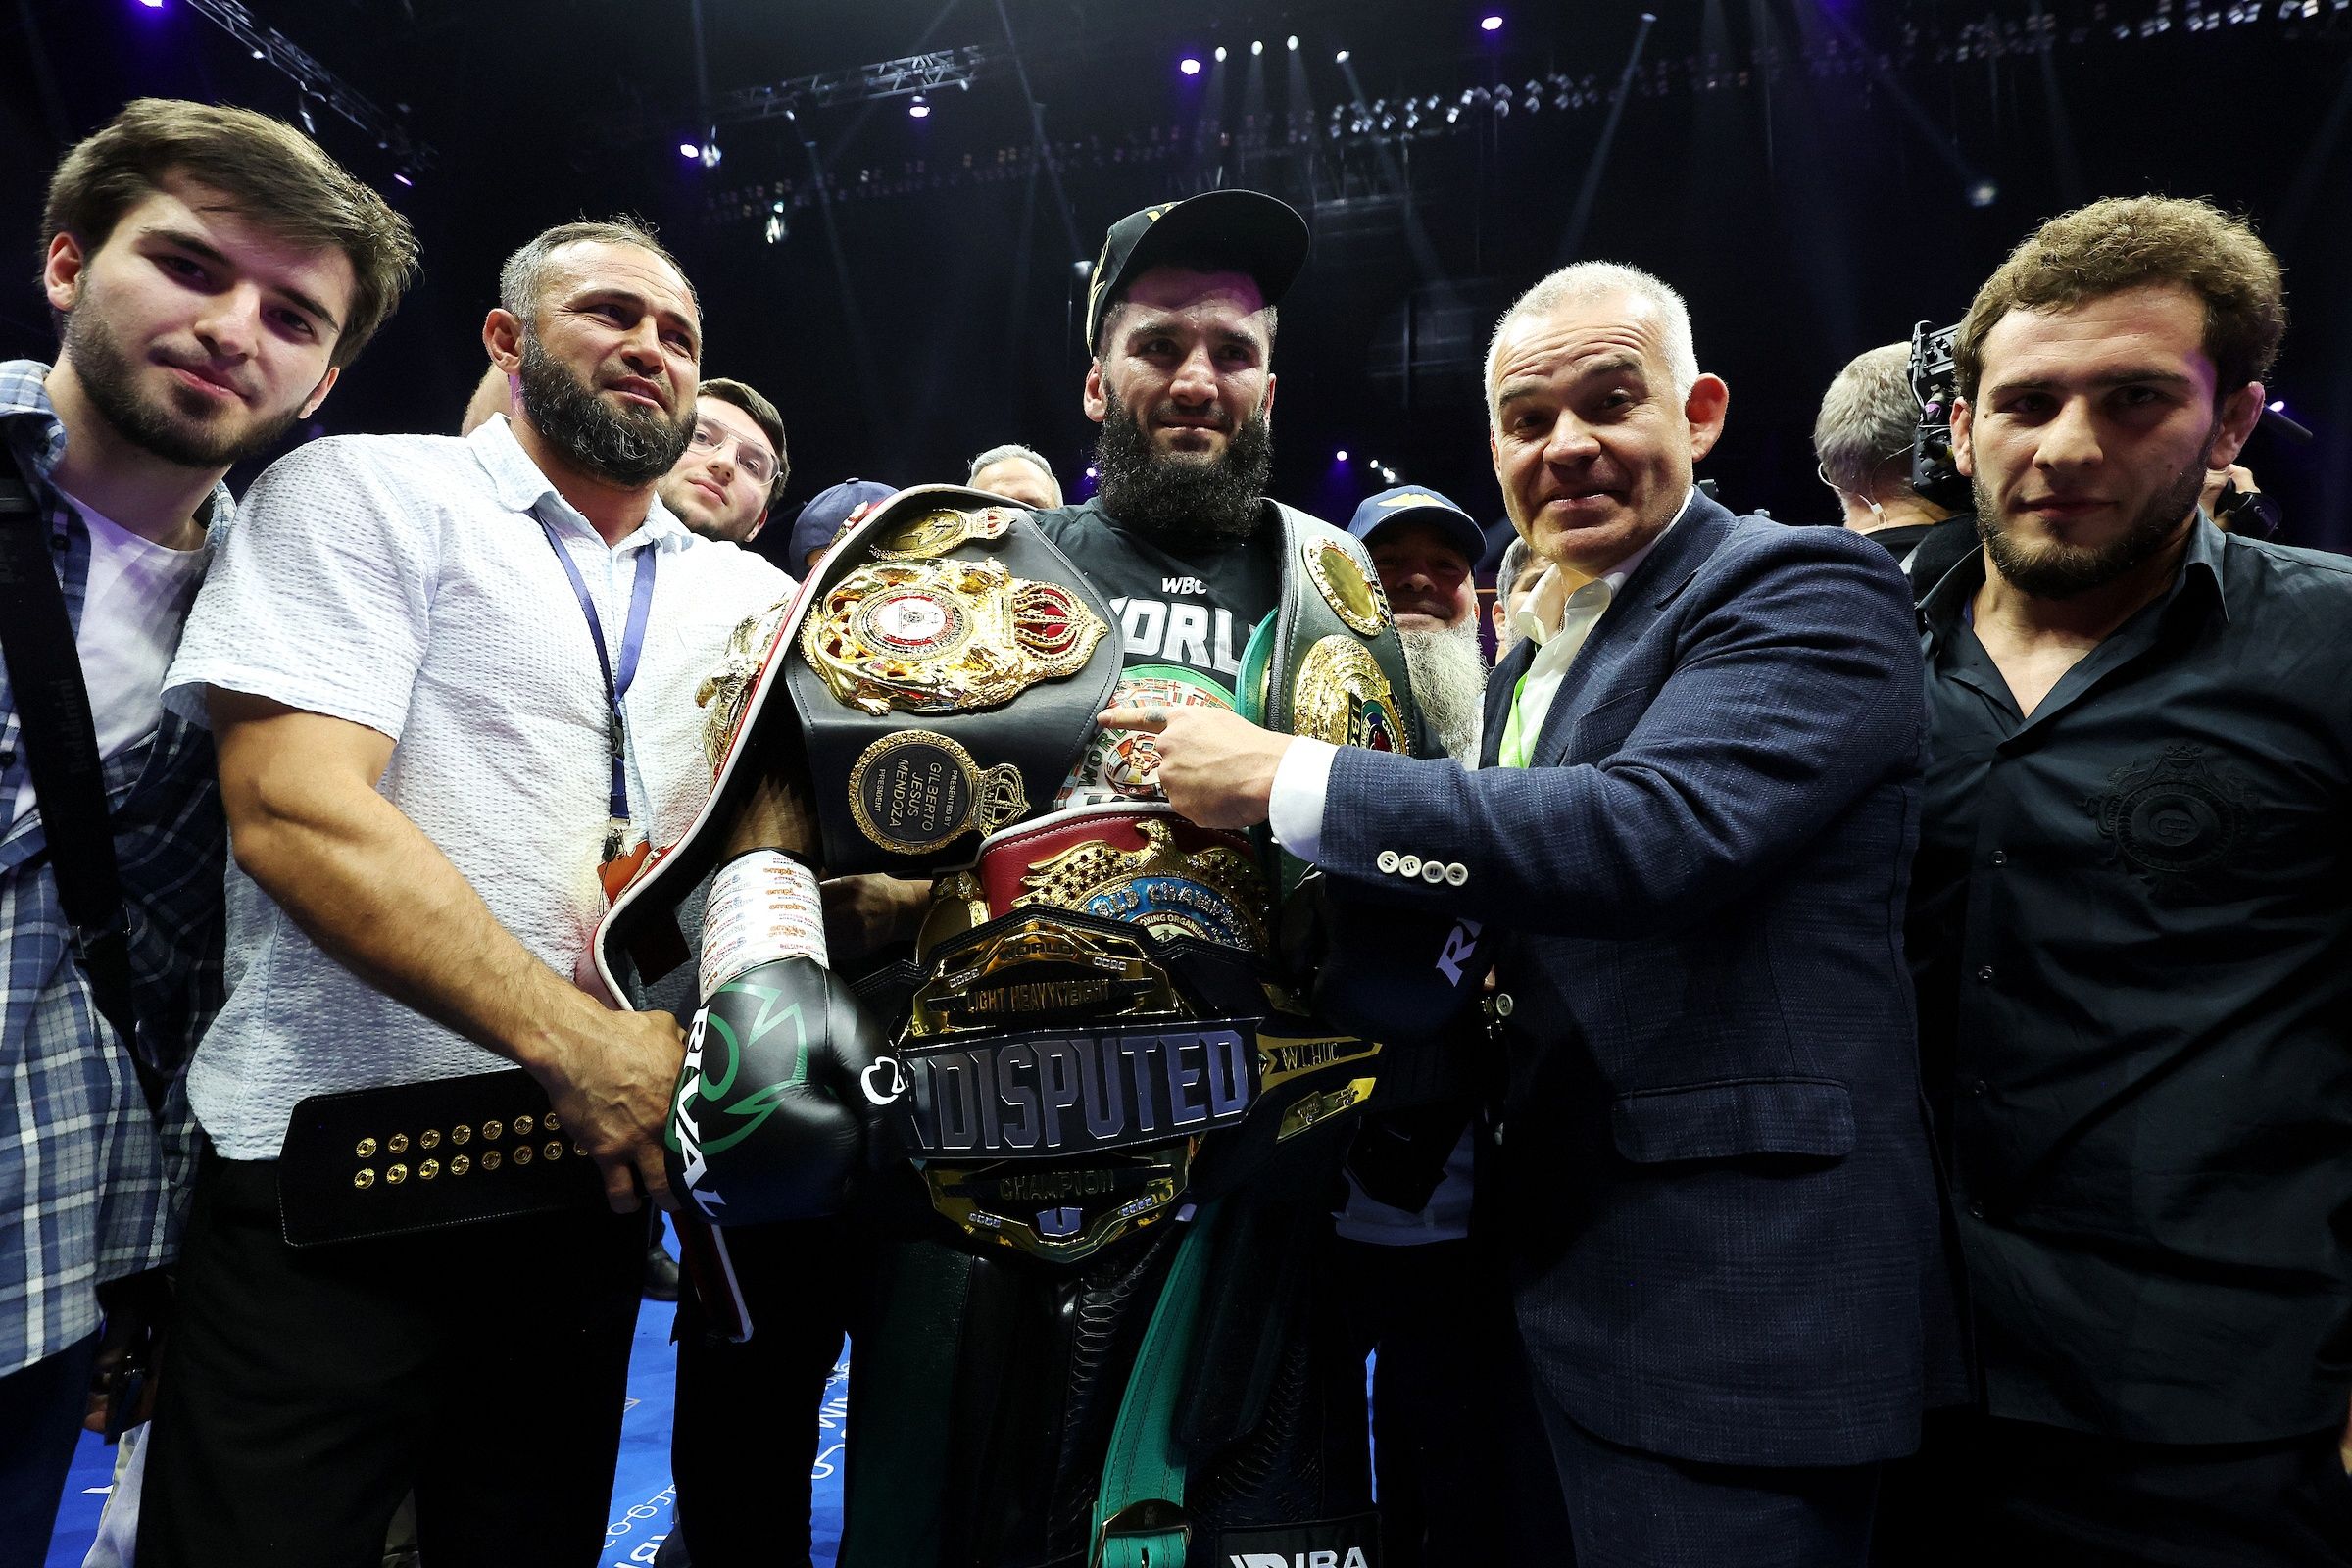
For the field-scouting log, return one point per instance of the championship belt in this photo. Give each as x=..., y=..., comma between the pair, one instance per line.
x=938, y=674
x=1329, y=664
x=1098, y=998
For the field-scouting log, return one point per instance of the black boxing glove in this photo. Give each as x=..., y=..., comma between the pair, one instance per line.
x=769, y=1118
x=1396, y=975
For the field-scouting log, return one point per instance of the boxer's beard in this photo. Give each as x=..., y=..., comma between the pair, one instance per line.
x=1177, y=501
x=2066, y=572
x=624, y=446
x=1450, y=683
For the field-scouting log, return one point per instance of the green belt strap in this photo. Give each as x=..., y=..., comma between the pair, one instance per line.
x=1139, y=1510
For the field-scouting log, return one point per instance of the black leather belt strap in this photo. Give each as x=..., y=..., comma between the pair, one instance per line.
x=61, y=752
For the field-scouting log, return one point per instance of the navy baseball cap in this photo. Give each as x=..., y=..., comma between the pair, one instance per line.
x=821, y=521
x=1240, y=231
x=1411, y=502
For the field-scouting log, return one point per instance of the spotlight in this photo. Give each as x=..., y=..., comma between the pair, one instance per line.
x=688, y=149
x=1220, y=53
x=412, y=184
x=1490, y=23
x=1340, y=59
x=1189, y=66
x=2279, y=407
x=919, y=109
x=1090, y=475
x=153, y=5
x=1291, y=43
x=1257, y=46
x=1340, y=456
x=1984, y=193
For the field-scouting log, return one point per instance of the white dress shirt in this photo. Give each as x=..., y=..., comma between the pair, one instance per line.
x=1558, y=618
x=404, y=583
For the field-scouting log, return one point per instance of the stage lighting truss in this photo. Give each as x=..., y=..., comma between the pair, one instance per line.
x=1337, y=131
x=316, y=81
x=917, y=76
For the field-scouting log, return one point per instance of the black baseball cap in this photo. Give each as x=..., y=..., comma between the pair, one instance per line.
x=1238, y=230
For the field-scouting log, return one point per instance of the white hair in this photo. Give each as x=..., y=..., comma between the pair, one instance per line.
x=1867, y=419
x=1581, y=281
x=1014, y=449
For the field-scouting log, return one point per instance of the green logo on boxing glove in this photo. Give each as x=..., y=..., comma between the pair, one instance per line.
x=702, y=1120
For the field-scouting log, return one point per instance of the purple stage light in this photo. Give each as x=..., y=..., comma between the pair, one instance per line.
x=2279, y=407
x=1189, y=66
x=153, y=5
x=919, y=110
x=1340, y=456
x=687, y=149
x=1490, y=23
x=405, y=180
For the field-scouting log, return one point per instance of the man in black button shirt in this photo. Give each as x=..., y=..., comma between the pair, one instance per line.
x=2131, y=930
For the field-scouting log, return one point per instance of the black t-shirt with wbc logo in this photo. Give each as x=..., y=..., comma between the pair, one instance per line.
x=1195, y=611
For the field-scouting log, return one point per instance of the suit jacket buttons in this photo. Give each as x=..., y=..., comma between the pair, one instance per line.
x=1408, y=866
x=1387, y=862
x=1433, y=872
x=1503, y=1004
x=1456, y=873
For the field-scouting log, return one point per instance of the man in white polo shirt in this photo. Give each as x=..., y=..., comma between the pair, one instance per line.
x=450, y=680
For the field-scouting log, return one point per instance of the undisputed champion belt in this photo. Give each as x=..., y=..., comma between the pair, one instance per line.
x=1098, y=997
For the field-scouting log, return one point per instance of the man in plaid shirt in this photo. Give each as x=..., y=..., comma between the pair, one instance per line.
x=210, y=271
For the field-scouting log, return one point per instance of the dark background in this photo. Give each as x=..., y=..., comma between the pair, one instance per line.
x=1801, y=169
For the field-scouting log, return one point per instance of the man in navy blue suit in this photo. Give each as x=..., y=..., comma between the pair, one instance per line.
x=1691, y=839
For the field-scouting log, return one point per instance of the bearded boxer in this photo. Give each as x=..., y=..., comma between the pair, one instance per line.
x=1171, y=1374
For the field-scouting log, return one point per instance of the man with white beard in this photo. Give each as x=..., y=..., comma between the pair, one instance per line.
x=1424, y=546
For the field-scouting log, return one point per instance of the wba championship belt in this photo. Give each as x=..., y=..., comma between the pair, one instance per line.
x=948, y=663
x=1098, y=998
x=938, y=674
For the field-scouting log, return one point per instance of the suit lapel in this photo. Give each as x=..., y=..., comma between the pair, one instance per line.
x=1662, y=576
x=1501, y=684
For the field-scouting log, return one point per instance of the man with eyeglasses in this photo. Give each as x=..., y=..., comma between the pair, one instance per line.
x=734, y=468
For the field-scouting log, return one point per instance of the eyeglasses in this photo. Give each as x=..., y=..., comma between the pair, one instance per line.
x=757, y=462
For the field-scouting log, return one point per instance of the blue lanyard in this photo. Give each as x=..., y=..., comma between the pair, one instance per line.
x=632, y=644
